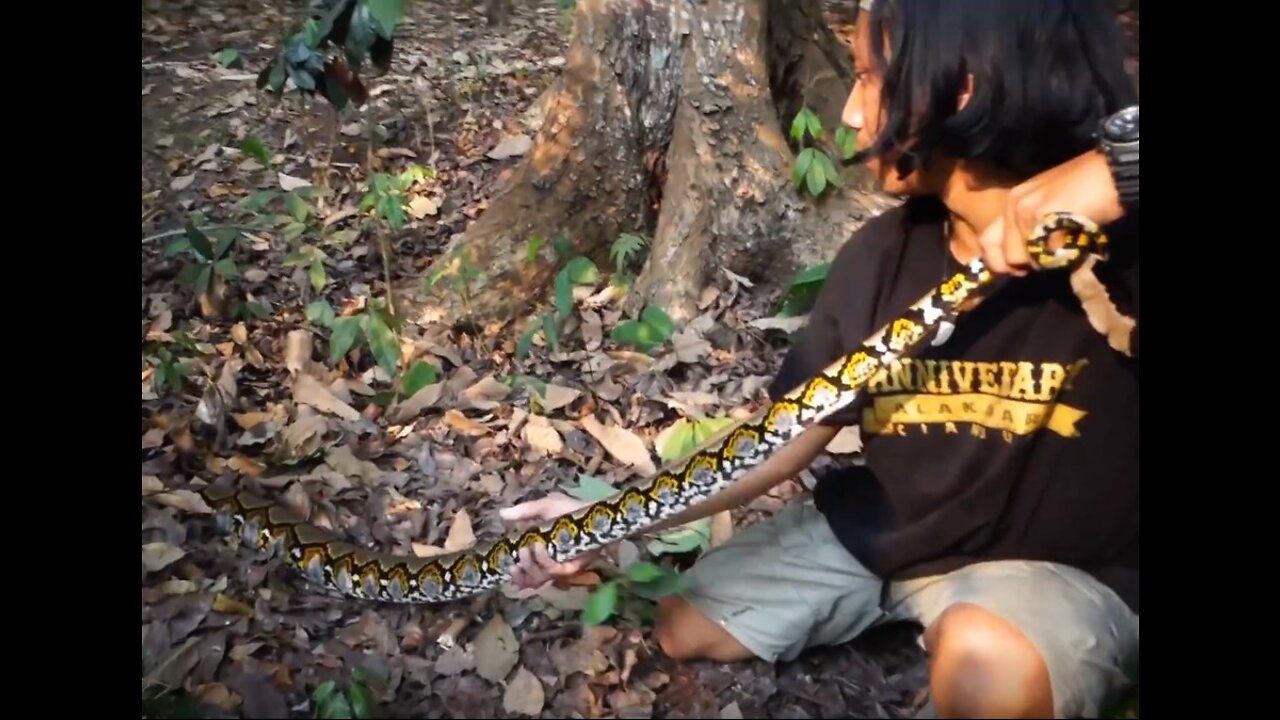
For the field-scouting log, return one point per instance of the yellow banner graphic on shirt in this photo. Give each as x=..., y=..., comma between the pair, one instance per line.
x=1016, y=416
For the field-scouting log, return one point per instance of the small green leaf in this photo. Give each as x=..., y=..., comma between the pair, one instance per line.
x=582, y=271
x=601, y=604
x=383, y=343
x=829, y=170
x=847, y=141
x=532, y=246
x=320, y=312
x=298, y=208
x=643, y=572
x=815, y=125
x=318, y=277
x=259, y=199
x=797, y=126
x=682, y=539
x=801, y=170
x=811, y=274
x=293, y=230
x=226, y=267
x=177, y=246
x=205, y=279
x=342, y=238
x=635, y=333
x=387, y=13
x=525, y=343
x=361, y=701
x=564, y=293
x=560, y=243
x=590, y=488
x=668, y=584
x=420, y=375
x=816, y=182
x=345, y=332
x=335, y=707
x=551, y=331
x=199, y=241
x=324, y=691
x=656, y=318
x=226, y=56
x=254, y=147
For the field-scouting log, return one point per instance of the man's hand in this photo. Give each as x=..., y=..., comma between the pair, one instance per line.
x=1081, y=185
x=535, y=567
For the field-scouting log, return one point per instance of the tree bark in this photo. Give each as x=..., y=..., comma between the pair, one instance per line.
x=670, y=121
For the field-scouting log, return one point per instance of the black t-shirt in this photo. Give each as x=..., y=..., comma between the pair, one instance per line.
x=1017, y=438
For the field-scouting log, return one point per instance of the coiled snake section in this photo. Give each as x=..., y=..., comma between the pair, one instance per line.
x=349, y=570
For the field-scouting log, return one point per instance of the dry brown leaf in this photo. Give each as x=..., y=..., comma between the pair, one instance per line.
x=421, y=400
x=225, y=604
x=558, y=396
x=621, y=443
x=246, y=465
x=217, y=695
x=785, y=324
x=185, y=500
x=496, y=650
x=524, y=695
x=182, y=182
x=542, y=437
x=463, y=424
x=159, y=555
x=344, y=461
x=240, y=333
x=289, y=182
x=248, y=420
x=690, y=347
x=511, y=146
x=422, y=206
x=151, y=485
x=308, y=391
x=454, y=661
x=297, y=350
x=244, y=650
x=460, y=535
x=154, y=437
x=177, y=586
x=592, y=329
x=486, y=394
x=731, y=711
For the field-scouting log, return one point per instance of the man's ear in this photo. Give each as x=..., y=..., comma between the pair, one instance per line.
x=966, y=92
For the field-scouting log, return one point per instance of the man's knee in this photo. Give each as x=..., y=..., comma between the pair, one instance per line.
x=981, y=666
x=684, y=633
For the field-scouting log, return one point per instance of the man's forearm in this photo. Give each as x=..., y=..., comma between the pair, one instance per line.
x=783, y=465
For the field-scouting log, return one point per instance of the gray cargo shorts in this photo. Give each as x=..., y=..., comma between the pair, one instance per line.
x=786, y=584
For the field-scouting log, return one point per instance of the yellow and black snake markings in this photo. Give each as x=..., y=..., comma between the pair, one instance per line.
x=341, y=567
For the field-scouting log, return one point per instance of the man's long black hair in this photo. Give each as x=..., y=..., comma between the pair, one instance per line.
x=1045, y=73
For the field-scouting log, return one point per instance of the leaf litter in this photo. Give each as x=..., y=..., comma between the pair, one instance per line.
x=425, y=470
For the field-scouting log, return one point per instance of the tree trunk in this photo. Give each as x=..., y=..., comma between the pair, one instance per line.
x=496, y=12
x=670, y=121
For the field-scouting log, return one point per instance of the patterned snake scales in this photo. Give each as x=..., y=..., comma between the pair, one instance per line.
x=347, y=569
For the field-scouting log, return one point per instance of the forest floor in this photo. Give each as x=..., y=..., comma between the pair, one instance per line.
x=472, y=429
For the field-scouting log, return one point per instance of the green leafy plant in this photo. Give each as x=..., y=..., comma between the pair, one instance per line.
x=356, y=701
x=651, y=330
x=171, y=370
x=632, y=592
x=803, y=290
x=624, y=249
x=814, y=169
x=361, y=29
x=579, y=270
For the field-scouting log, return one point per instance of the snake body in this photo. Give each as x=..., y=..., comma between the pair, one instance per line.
x=346, y=569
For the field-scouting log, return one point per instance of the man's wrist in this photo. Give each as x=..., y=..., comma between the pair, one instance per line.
x=1118, y=141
